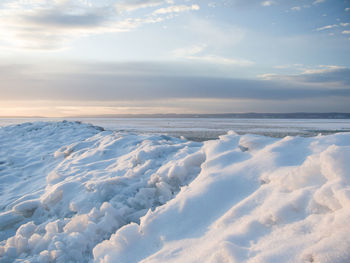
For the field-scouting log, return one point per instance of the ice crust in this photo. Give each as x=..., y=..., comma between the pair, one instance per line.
x=71, y=192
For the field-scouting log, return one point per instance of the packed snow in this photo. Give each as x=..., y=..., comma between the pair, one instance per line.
x=73, y=192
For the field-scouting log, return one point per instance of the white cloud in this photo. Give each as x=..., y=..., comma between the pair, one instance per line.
x=296, y=8
x=222, y=60
x=269, y=76
x=347, y=9
x=339, y=76
x=267, y=3
x=345, y=24
x=212, y=4
x=346, y=32
x=44, y=25
x=323, y=69
x=175, y=9
x=52, y=36
x=189, y=51
x=131, y=5
x=197, y=53
x=316, y=2
x=326, y=27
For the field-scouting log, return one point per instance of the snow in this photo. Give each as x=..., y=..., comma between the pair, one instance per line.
x=202, y=129
x=72, y=192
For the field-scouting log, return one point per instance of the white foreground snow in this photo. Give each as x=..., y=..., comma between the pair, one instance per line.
x=73, y=193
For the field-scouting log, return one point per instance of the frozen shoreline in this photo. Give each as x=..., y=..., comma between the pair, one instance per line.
x=202, y=129
x=70, y=191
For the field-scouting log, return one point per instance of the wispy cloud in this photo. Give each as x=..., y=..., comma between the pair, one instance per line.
x=132, y=5
x=322, y=75
x=316, y=2
x=346, y=32
x=296, y=8
x=196, y=53
x=222, y=60
x=175, y=9
x=211, y=39
x=189, y=51
x=45, y=25
x=326, y=27
x=267, y=3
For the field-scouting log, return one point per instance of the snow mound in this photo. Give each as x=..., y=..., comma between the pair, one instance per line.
x=26, y=157
x=95, y=186
x=256, y=199
x=72, y=192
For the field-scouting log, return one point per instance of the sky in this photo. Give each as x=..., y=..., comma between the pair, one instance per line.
x=80, y=57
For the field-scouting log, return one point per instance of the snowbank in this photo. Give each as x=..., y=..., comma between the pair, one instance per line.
x=256, y=199
x=119, y=197
x=26, y=157
x=98, y=184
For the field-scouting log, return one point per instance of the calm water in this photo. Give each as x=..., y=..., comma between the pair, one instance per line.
x=210, y=128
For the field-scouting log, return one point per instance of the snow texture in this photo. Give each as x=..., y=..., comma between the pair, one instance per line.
x=71, y=192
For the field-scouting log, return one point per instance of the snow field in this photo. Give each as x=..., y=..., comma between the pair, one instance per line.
x=72, y=192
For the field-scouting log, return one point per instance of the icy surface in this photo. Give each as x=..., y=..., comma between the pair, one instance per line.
x=202, y=129
x=108, y=196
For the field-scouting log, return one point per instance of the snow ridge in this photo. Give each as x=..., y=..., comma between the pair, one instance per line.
x=96, y=185
x=257, y=199
x=72, y=192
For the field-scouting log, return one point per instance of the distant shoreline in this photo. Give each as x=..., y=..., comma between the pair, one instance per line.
x=251, y=115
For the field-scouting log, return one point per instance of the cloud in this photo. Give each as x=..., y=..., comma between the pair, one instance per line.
x=212, y=4
x=222, y=60
x=329, y=76
x=197, y=53
x=346, y=32
x=345, y=24
x=267, y=3
x=326, y=27
x=45, y=25
x=149, y=82
x=175, y=9
x=56, y=33
x=347, y=9
x=316, y=2
x=132, y=5
x=60, y=19
x=296, y=8
x=102, y=88
x=189, y=51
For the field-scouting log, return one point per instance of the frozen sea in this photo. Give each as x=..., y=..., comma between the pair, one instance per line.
x=202, y=129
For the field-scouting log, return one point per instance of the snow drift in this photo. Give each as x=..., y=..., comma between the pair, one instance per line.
x=71, y=192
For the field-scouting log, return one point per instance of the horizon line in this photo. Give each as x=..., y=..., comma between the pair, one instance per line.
x=308, y=115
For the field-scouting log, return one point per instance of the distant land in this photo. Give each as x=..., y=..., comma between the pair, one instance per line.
x=249, y=115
